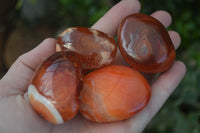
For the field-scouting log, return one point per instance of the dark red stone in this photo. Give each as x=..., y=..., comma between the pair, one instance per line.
x=145, y=43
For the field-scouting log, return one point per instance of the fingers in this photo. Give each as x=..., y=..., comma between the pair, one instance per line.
x=110, y=21
x=161, y=90
x=163, y=16
x=39, y=54
x=166, y=19
x=21, y=71
x=175, y=37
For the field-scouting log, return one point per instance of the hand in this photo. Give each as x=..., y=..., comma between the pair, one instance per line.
x=18, y=116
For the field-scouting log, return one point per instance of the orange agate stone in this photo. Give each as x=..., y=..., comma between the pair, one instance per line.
x=53, y=89
x=94, y=48
x=145, y=43
x=113, y=93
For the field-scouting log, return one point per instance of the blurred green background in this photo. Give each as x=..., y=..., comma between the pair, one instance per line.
x=25, y=23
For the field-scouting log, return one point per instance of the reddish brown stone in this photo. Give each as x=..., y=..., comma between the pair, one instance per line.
x=145, y=43
x=94, y=48
x=57, y=80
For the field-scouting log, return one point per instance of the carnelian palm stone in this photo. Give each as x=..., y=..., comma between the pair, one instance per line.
x=94, y=48
x=145, y=43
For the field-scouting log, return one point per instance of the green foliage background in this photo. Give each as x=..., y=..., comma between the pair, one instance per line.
x=181, y=113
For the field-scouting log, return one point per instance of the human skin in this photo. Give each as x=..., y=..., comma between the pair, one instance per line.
x=18, y=116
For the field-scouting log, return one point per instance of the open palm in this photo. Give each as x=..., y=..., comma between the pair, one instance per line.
x=18, y=116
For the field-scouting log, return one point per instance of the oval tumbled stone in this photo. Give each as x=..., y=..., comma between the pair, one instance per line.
x=94, y=48
x=145, y=43
x=53, y=91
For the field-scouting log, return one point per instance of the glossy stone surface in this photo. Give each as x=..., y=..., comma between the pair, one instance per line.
x=113, y=93
x=94, y=48
x=145, y=43
x=53, y=89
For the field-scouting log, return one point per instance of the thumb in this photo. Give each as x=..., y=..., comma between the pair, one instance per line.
x=20, y=73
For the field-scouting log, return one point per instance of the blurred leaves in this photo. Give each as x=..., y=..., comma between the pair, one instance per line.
x=61, y=13
x=81, y=13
